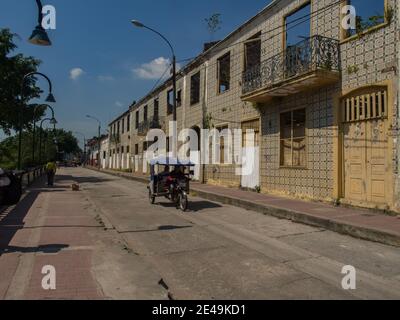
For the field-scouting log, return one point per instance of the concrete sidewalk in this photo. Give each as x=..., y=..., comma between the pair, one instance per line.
x=61, y=228
x=359, y=223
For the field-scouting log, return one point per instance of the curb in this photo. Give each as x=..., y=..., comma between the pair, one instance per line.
x=294, y=216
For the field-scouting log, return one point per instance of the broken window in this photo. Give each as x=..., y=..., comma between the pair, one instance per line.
x=145, y=113
x=195, y=89
x=170, y=101
x=293, y=138
x=369, y=13
x=224, y=73
x=298, y=26
x=156, y=109
x=179, y=98
x=253, y=52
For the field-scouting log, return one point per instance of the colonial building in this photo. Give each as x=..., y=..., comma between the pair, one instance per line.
x=321, y=97
x=119, y=152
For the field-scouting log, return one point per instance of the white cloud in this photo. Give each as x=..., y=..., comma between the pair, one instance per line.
x=153, y=70
x=119, y=104
x=76, y=73
x=105, y=78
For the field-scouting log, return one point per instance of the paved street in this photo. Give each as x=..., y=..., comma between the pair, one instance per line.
x=107, y=242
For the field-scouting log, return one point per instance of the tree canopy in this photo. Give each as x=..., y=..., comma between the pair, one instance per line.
x=12, y=70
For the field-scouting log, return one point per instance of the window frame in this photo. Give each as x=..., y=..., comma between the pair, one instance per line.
x=170, y=107
x=292, y=138
x=198, y=96
x=343, y=34
x=219, y=60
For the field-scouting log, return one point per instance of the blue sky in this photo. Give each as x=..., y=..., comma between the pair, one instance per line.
x=96, y=36
x=96, y=40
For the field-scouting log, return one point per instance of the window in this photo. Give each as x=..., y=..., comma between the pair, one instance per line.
x=253, y=52
x=145, y=113
x=104, y=154
x=136, y=149
x=224, y=73
x=195, y=89
x=179, y=98
x=369, y=13
x=170, y=101
x=127, y=149
x=123, y=125
x=128, y=123
x=293, y=138
x=119, y=127
x=168, y=145
x=156, y=108
x=137, y=120
x=296, y=32
x=122, y=150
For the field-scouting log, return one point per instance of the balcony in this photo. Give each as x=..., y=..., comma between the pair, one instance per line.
x=312, y=63
x=145, y=126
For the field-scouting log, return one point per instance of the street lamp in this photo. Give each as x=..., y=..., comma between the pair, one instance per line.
x=34, y=126
x=39, y=35
x=50, y=98
x=141, y=25
x=99, y=143
x=84, y=145
x=53, y=121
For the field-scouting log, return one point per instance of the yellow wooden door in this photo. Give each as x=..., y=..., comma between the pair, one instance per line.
x=377, y=167
x=355, y=161
x=366, y=158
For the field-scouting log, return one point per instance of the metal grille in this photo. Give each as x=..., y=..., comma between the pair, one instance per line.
x=372, y=105
x=315, y=53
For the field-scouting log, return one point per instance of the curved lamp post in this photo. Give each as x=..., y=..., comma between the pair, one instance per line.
x=50, y=98
x=99, y=143
x=39, y=35
x=53, y=121
x=34, y=126
x=141, y=25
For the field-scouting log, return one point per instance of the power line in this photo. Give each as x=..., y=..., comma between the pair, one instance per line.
x=296, y=22
x=308, y=16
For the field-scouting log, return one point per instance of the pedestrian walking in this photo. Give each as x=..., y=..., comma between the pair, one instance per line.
x=51, y=169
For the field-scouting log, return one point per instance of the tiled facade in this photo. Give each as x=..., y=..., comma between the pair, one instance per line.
x=370, y=59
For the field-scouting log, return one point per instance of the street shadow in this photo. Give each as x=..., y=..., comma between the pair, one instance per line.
x=161, y=228
x=80, y=180
x=49, y=249
x=15, y=219
x=194, y=206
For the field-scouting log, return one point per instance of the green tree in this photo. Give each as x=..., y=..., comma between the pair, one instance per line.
x=55, y=144
x=13, y=68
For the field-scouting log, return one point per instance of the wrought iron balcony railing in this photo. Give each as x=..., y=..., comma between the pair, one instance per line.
x=145, y=126
x=312, y=54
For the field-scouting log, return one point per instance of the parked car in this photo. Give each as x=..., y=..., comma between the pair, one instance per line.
x=10, y=188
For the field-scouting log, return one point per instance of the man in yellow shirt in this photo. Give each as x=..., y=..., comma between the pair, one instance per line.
x=51, y=169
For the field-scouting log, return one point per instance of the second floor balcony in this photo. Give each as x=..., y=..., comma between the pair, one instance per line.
x=312, y=63
x=145, y=126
